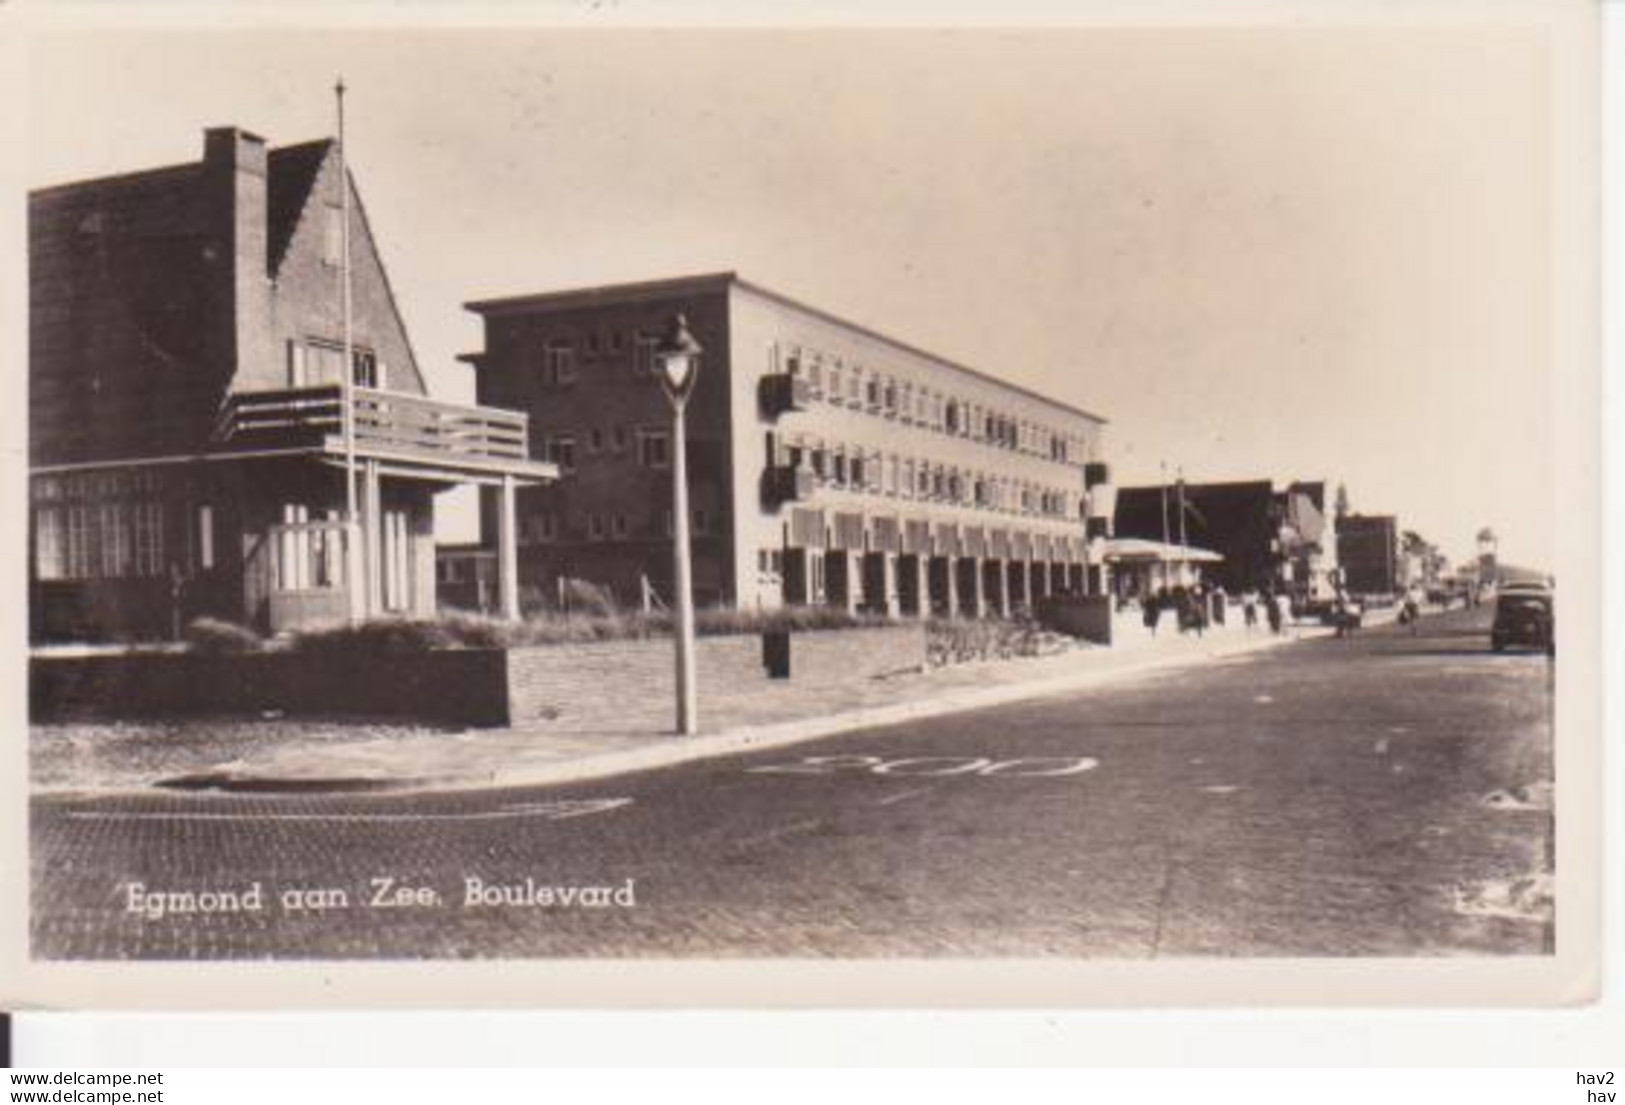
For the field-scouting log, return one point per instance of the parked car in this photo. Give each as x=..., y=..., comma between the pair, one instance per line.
x=1524, y=615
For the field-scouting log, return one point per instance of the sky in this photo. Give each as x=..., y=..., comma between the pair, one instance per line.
x=1306, y=253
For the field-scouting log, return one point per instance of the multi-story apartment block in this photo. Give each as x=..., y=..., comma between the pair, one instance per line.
x=191, y=427
x=828, y=463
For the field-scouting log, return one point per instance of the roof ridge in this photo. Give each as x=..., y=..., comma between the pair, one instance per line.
x=280, y=248
x=135, y=176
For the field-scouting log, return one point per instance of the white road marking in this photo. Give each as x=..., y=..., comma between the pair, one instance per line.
x=552, y=811
x=1221, y=789
x=1381, y=747
x=1027, y=767
x=892, y=799
x=958, y=765
x=1263, y=698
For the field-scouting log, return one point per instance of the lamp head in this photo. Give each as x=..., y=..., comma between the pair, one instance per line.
x=679, y=357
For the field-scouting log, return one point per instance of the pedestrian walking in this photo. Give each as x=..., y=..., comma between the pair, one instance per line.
x=1249, y=610
x=1411, y=611
x=1343, y=615
x=1272, y=611
x=1153, y=611
x=1190, y=610
x=1220, y=600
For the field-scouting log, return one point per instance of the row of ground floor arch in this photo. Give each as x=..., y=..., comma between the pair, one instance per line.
x=885, y=583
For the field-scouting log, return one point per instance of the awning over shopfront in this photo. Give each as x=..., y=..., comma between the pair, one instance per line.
x=1136, y=550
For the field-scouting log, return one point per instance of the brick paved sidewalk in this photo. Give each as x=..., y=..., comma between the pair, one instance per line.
x=629, y=734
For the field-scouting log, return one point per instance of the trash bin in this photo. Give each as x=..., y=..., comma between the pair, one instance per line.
x=776, y=653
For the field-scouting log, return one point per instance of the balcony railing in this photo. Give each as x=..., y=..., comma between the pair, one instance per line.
x=386, y=423
x=786, y=483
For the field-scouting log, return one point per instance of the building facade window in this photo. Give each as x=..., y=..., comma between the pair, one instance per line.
x=149, y=538
x=558, y=364
x=98, y=525
x=316, y=362
x=50, y=543
x=643, y=354
x=654, y=448
x=561, y=450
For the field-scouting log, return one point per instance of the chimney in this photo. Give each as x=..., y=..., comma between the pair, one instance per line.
x=235, y=198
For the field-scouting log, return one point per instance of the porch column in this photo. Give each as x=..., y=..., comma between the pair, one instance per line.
x=372, y=521
x=508, y=551
x=844, y=575
x=1025, y=569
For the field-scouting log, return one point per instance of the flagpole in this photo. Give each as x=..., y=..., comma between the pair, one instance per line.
x=1184, y=543
x=352, y=526
x=1162, y=466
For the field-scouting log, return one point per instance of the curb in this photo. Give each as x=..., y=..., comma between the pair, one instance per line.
x=678, y=750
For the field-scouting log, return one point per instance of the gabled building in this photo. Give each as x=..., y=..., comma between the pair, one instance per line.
x=193, y=421
x=1280, y=539
x=829, y=464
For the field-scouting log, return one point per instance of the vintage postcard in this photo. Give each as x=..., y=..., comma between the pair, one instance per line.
x=562, y=505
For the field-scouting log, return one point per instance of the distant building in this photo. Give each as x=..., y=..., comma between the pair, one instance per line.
x=187, y=404
x=828, y=463
x=1281, y=539
x=1368, y=551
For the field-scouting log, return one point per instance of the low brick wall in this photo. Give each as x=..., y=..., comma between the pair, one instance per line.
x=1086, y=616
x=483, y=687
x=456, y=687
x=573, y=680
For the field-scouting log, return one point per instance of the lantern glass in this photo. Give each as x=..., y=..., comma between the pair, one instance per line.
x=678, y=367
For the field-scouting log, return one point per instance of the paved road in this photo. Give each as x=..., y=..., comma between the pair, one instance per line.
x=1385, y=796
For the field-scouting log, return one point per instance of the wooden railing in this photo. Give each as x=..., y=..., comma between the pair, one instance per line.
x=385, y=422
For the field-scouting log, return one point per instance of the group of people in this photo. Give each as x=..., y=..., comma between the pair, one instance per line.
x=1195, y=607
x=1200, y=605
x=1277, y=608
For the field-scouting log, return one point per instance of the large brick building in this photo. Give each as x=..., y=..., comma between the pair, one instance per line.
x=1280, y=539
x=828, y=463
x=1368, y=548
x=188, y=403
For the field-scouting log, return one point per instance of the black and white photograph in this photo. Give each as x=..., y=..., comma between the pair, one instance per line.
x=1041, y=496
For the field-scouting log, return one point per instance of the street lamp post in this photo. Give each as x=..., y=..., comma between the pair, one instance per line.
x=679, y=358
